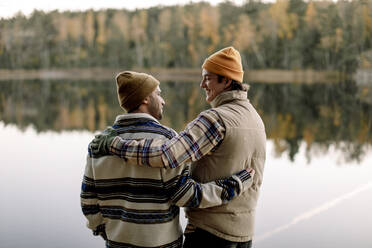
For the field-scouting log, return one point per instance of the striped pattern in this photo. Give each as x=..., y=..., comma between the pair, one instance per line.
x=130, y=189
x=140, y=205
x=143, y=125
x=230, y=186
x=201, y=136
x=132, y=215
x=140, y=216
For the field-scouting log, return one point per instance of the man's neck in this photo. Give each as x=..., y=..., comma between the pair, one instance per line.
x=138, y=111
x=142, y=109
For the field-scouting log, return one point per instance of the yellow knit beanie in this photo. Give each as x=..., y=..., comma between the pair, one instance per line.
x=133, y=87
x=226, y=62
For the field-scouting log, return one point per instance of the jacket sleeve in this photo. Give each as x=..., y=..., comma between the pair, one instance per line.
x=199, y=138
x=186, y=192
x=89, y=202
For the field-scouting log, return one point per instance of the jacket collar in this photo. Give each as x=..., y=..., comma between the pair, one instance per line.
x=229, y=96
x=134, y=117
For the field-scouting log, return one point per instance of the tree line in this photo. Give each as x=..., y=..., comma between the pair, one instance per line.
x=286, y=34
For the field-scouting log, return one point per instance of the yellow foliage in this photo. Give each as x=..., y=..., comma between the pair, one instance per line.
x=285, y=128
x=165, y=46
x=339, y=39
x=331, y=113
x=333, y=42
x=138, y=26
x=189, y=21
x=311, y=16
x=89, y=27
x=74, y=27
x=367, y=19
x=325, y=111
x=4, y=105
x=245, y=33
x=287, y=23
x=121, y=21
x=90, y=116
x=19, y=112
x=63, y=118
x=326, y=42
x=266, y=25
x=102, y=35
x=77, y=118
x=280, y=146
x=337, y=115
x=365, y=62
x=193, y=99
x=308, y=136
x=209, y=19
x=365, y=92
x=165, y=21
x=83, y=53
x=143, y=19
x=363, y=132
x=69, y=27
x=193, y=53
x=60, y=24
x=102, y=113
x=228, y=34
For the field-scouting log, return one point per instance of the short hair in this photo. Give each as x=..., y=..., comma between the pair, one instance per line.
x=235, y=85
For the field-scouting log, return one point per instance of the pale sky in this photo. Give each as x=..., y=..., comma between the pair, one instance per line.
x=10, y=7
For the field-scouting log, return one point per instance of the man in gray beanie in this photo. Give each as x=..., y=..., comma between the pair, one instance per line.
x=132, y=206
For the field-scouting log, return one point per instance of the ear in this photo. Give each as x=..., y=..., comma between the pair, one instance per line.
x=227, y=83
x=146, y=100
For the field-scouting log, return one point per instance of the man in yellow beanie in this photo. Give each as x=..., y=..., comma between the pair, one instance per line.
x=220, y=141
x=132, y=206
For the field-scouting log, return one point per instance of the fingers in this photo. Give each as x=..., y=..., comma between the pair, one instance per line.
x=93, y=146
x=94, y=142
x=98, y=138
x=251, y=171
x=109, y=131
x=100, y=144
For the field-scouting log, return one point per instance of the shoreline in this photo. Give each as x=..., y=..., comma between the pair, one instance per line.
x=176, y=75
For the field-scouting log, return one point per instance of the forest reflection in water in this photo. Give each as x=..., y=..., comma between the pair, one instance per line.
x=318, y=114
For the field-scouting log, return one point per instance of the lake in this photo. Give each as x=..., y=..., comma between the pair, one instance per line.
x=317, y=189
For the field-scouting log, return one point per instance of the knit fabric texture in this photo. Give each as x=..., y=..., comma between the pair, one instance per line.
x=226, y=62
x=133, y=88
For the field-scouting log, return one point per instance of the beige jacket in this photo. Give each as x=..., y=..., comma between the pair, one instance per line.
x=243, y=146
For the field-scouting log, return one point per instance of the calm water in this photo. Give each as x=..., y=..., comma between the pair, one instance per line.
x=317, y=189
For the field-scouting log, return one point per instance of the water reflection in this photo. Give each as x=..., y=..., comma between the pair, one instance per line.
x=319, y=114
x=320, y=204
